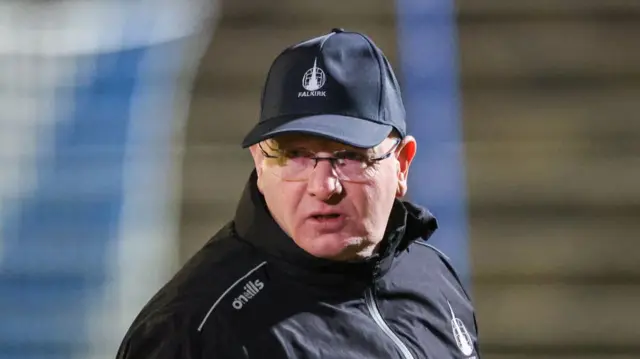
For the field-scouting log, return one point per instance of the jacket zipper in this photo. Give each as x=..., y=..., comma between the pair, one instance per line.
x=377, y=317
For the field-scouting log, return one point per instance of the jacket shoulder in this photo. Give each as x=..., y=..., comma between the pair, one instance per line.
x=160, y=336
x=169, y=324
x=444, y=264
x=463, y=307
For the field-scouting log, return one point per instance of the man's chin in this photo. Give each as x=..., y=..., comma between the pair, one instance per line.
x=334, y=246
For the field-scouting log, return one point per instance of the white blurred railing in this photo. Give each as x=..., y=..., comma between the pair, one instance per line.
x=94, y=95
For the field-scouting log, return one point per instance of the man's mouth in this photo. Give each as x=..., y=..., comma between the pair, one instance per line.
x=327, y=216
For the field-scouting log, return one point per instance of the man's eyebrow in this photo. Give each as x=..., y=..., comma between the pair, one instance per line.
x=289, y=145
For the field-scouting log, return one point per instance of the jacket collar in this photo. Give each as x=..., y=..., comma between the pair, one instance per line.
x=254, y=224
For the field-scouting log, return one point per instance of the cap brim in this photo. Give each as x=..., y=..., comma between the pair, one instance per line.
x=352, y=131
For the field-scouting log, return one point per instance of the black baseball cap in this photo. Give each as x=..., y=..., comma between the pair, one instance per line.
x=339, y=86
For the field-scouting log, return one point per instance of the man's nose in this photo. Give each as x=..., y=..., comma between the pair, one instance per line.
x=323, y=181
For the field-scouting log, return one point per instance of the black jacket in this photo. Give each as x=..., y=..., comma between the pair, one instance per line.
x=250, y=293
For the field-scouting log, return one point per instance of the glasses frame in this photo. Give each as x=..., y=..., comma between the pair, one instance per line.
x=333, y=159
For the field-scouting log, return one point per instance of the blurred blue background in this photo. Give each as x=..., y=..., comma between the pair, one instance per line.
x=119, y=145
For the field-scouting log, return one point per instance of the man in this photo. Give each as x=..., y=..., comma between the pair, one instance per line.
x=322, y=260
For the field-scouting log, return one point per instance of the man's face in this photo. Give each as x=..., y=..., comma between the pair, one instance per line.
x=326, y=215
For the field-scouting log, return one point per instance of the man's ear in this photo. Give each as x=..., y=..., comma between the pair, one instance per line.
x=258, y=161
x=406, y=153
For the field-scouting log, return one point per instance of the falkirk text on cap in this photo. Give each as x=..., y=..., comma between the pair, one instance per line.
x=312, y=82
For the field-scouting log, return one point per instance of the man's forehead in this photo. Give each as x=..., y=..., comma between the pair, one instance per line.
x=311, y=142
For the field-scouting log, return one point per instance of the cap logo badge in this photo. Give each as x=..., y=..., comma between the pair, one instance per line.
x=312, y=82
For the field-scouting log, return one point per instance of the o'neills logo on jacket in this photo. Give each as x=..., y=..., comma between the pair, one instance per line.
x=251, y=289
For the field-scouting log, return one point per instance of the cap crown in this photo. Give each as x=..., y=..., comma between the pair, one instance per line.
x=341, y=73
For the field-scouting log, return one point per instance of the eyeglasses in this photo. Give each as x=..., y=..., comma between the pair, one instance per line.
x=298, y=164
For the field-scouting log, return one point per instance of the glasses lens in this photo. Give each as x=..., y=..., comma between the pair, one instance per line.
x=296, y=168
x=351, y=169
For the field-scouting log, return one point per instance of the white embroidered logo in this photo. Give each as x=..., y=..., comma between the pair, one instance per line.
x=312, y=81
x=461, y=334
x=251, y=289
